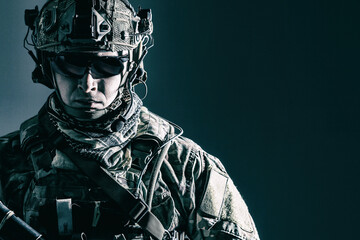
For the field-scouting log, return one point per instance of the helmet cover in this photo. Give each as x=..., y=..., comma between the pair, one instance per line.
x=87, y=25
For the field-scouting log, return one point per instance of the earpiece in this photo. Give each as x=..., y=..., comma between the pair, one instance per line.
x=30, y=16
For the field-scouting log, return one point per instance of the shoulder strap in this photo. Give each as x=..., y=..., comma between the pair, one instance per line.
x=135, y=208
x=33, y=145
x=29, y=133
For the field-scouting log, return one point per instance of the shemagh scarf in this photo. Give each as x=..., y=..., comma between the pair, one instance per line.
x=99, y=139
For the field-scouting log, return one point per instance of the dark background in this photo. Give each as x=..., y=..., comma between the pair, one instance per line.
x=270, y=87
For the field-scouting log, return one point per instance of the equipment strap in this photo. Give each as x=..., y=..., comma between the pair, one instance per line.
x=135, y=208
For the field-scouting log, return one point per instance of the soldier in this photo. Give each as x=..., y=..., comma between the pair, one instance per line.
x=94, y=163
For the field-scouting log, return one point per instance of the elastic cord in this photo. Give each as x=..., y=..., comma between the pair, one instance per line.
x=151, y=156
x=155, y=174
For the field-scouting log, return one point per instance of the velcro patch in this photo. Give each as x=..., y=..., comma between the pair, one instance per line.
x=213, y=198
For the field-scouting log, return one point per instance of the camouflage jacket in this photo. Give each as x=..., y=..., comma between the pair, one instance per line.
x=193, y=194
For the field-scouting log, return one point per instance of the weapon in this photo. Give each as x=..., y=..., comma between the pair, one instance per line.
x=14, y=228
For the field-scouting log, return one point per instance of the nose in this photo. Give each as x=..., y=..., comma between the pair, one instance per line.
x=87, y=83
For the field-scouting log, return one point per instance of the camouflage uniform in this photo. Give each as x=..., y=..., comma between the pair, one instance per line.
x=193, y=194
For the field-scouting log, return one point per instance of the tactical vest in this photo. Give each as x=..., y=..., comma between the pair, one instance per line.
x=63, y=203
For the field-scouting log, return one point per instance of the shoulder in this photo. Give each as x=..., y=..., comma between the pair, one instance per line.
x=182, y=150
x=9, y=148
x=12, y=156
x=186, y=160
x=16, y=171
x=202, y=183
x=157, y=128
x=9, y=139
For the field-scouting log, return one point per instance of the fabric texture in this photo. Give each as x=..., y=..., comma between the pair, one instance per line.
x=55, y=25
x=98, y=138
x=185, y=194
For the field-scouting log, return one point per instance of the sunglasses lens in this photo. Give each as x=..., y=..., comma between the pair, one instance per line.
x=67, y=67
x=107, y=66
x=76, y=66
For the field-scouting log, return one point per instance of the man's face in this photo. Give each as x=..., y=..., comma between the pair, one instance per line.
x=89, y=83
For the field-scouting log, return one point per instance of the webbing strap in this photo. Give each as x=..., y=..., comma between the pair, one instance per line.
x=135, y=208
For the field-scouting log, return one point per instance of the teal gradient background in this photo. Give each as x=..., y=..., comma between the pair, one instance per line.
x=269, y=87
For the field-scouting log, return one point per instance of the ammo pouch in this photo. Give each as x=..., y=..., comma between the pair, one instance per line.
x=63, y=217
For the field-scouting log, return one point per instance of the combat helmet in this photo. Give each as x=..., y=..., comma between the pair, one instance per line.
x=66, y=26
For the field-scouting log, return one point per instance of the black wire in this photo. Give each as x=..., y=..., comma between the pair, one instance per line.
x=133, y=75
x=25, y=39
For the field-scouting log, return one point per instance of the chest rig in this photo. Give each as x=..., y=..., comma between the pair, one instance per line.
x=66, y=203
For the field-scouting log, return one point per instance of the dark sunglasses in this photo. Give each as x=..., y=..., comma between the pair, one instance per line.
x=77, y=65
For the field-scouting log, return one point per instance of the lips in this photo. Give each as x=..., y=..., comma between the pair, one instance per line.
x=87, y=101
x=90, y=103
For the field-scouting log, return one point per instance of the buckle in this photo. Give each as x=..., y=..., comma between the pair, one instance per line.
x=139, y=211
x=64, y=216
